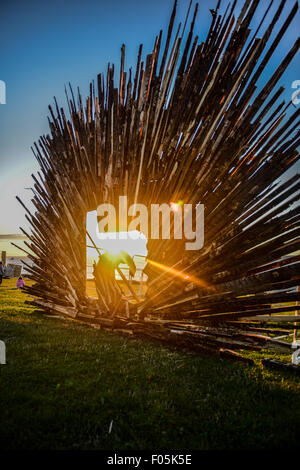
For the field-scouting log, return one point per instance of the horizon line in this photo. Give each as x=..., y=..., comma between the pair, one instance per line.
x=16, y=236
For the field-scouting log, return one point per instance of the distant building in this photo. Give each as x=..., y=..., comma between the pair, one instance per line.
x=12, y=270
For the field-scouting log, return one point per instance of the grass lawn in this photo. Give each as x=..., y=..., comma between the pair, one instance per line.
x=70, y=386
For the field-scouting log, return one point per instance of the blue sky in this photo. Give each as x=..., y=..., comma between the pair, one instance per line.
x=45, y=44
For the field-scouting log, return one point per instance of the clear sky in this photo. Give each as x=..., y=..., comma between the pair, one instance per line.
x=45, y=44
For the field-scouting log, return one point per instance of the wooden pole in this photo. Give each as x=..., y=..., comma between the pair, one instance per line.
x=296, y=313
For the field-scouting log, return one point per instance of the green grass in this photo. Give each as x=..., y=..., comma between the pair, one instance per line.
x=65, y=383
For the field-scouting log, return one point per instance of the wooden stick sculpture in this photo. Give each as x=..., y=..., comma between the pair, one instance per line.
x=189, y=124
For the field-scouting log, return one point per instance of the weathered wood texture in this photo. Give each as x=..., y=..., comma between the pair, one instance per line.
x=191, y=124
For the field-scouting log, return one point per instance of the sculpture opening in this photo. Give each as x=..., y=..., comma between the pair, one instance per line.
x=124, y=252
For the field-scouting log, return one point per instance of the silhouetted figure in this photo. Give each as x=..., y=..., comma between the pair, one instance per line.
x=1, y=272
x=104, y=274
x=20, y=283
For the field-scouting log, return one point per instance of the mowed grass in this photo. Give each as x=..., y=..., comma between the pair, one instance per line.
x=69, y=386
